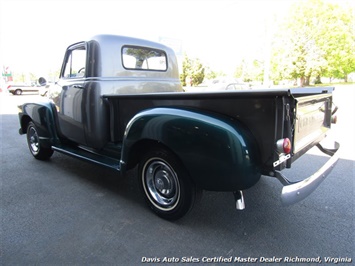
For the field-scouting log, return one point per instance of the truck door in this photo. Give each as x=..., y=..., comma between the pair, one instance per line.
x=71, y=115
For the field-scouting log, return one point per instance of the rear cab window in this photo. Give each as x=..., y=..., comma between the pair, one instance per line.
x=144, y=58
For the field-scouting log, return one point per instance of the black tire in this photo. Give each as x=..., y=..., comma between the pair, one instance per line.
x=18, y=92
x=166, y=185
x=34, y=144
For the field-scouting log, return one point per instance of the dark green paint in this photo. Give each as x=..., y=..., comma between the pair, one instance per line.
x=219, y=153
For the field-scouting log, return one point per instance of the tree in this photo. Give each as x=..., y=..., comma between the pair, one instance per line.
x=19, y=77
x=211, y=74
x=250, y=70
x=193, y=72
x=317, y=39
x=340, y=47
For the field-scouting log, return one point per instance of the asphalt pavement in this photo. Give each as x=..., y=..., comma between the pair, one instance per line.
x=65, y=211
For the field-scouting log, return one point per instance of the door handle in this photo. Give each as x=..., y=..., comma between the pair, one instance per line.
x=78, y=87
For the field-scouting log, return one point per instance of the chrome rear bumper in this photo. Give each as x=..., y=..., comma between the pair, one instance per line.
x=294, y=192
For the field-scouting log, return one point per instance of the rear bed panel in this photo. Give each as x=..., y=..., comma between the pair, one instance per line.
x=263, y=112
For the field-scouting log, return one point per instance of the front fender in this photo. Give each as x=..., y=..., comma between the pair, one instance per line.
x=219, y=152
x=42, y=115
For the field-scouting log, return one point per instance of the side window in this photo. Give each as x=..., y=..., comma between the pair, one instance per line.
x=75, y=64
x=143, y=58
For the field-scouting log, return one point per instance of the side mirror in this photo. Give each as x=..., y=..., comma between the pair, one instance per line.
x=42, y=81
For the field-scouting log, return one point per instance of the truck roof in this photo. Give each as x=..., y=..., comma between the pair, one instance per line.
x=120, y=39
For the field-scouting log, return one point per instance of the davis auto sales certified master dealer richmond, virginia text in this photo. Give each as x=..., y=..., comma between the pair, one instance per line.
x=232, y=259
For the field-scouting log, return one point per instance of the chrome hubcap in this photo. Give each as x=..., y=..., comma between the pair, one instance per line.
x=33, y=140
x=161, y=184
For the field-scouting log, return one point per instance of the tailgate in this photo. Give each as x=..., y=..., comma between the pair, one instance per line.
x=313, y=120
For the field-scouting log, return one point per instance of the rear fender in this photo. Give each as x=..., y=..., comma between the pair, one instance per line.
x=42, y=115
x=219, y=152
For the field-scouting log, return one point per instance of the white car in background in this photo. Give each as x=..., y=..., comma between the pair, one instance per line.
x=226, y=84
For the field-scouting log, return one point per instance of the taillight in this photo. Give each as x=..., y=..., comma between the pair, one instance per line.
x=284, y=145
x=334, y=119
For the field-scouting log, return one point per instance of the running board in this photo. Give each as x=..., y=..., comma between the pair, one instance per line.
x=89, y=156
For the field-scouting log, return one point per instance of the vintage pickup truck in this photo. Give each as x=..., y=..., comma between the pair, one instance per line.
x=119, y=103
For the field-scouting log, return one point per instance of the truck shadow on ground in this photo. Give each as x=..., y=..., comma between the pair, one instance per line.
x=213, y=208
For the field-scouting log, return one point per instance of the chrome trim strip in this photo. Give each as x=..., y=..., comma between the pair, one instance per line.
x=294, y=192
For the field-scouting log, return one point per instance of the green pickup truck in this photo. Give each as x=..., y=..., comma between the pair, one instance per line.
x=119, y=103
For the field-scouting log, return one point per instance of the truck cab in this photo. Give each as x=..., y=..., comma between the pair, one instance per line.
x=107, y=65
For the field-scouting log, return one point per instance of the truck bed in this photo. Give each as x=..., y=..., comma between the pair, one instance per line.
x=263, y=112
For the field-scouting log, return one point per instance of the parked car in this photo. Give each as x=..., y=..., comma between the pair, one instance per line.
x=18, y=89
x=228, y=87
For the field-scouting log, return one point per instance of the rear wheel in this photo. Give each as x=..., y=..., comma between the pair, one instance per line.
x=166, y=185
x=34, y=144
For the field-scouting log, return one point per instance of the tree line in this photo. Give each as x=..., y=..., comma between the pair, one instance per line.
x=315, y=39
